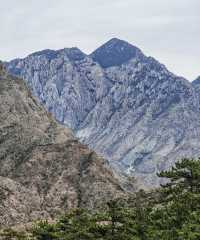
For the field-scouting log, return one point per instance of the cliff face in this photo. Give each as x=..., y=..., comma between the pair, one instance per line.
x=126, y=106
x=44, y=169
x=196, y=84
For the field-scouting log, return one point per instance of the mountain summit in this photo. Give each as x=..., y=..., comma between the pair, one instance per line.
x=114, y=53
x=124, y=105
x=73, y=53
x=196, y=81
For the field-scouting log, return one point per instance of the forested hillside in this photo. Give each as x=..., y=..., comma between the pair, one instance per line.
x=170, y=213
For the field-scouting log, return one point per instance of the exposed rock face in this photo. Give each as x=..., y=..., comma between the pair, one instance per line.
x=126, y=106
x=196, y=81
x=44, y=169
x=196, y=84
x=114, y=53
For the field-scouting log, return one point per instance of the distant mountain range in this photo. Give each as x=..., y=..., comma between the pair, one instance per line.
x=126, y=106
x=44, y=169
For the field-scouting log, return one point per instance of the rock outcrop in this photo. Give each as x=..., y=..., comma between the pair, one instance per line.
x=126, y=106
x=196, y=84
x=44, y=169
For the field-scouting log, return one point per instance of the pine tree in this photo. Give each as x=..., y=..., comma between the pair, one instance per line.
x=75, y=225
x=179, y=198
x=44, y=231
x=171, y=213
x=10, y=234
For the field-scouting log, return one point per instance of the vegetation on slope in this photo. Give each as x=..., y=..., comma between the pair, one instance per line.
x=170, y=213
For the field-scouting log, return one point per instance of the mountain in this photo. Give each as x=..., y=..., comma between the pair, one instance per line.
x=126, y=106
x=114, y=53
x=196, y=83
x=44, y=169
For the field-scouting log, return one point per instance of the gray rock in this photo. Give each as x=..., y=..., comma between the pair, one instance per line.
x=125, y=105
x=44, y=169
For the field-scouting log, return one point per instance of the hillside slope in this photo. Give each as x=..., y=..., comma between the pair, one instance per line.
x=44, y=169
x=126, y=106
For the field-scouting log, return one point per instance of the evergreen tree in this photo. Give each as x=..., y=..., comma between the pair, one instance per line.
x=179, y=198
x=171, y=213
x=44, y=231
x=10, y=234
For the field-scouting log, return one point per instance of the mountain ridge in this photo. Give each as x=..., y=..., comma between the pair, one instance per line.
x=115, y=52
x=44, y=169
x=133, y=111
x=196, y=81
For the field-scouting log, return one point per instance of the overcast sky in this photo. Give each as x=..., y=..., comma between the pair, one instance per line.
x=168, y=30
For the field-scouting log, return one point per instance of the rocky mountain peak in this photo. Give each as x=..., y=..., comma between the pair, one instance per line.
x=114, y=53
x=129, y=107
x=50, y=54
x=74, y=53
x=196, y=81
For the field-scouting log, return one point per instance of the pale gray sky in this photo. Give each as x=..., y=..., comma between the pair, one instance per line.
x=168, y=30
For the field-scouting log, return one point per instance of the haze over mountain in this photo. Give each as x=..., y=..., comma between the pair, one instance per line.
x=126, y=106
x=44, y=169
